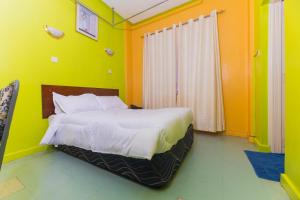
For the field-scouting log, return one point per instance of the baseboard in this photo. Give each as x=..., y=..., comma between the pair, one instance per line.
x=235, y=134
x=251, y=139
x=19, y=154
x=290, y=187
x=262, y=147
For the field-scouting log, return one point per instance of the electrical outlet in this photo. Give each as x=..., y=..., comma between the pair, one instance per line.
x=109, y=71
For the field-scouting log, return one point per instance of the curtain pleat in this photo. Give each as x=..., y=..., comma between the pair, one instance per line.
x=199, y=73
x=159, y=75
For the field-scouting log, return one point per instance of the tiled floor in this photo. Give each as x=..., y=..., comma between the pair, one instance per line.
x=215, y=169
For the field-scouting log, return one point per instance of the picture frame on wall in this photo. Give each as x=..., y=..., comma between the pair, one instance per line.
x=86, y=22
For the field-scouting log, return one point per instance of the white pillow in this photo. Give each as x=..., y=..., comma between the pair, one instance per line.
x=74, y=104
x=109, y=102
x=57, y=109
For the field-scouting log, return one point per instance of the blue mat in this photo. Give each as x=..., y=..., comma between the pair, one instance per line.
x=267, y=165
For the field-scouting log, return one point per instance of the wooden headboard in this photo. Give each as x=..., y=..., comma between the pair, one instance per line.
x=47, y=97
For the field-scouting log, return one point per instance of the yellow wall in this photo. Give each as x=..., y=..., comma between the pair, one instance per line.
x=234, y=44
x=25, y=51
x=260, y=75
x=251, y=52
x=128, y=63
x=291, y=179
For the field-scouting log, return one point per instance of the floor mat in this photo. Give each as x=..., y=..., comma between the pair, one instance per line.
x=9, y=187
x=267, y=165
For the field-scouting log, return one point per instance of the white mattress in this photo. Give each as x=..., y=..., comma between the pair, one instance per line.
x=131, y=133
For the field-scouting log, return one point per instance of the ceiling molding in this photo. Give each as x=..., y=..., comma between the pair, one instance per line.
x=166, y=14
x=137, y=11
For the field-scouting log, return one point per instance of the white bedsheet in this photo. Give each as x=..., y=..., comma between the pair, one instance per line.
x=131, y=133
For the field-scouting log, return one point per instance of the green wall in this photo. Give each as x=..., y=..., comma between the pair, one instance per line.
x=261, y=75
x=291, y=179
x=25, y=51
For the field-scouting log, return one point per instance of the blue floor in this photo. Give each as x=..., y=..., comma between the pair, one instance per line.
x=215, y=169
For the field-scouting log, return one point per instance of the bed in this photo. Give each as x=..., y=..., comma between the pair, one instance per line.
x=146, y=146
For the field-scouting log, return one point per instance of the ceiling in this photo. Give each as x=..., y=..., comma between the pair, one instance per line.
x=128, y=8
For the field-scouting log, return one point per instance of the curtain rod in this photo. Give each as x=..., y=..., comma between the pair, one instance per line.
x=186, y=22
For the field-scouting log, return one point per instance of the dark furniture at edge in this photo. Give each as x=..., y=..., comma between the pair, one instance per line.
x=8, y=119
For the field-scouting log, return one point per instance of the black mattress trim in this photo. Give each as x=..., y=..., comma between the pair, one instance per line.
x=156, y=172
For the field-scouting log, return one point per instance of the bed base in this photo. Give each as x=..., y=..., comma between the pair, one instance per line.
x=154, y=173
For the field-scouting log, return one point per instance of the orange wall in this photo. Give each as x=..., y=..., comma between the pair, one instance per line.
x=234, y=45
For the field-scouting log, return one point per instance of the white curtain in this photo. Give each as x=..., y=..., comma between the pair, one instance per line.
x=182, y=68
x=276, y=77
x=159, y=72
x=199, y=73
